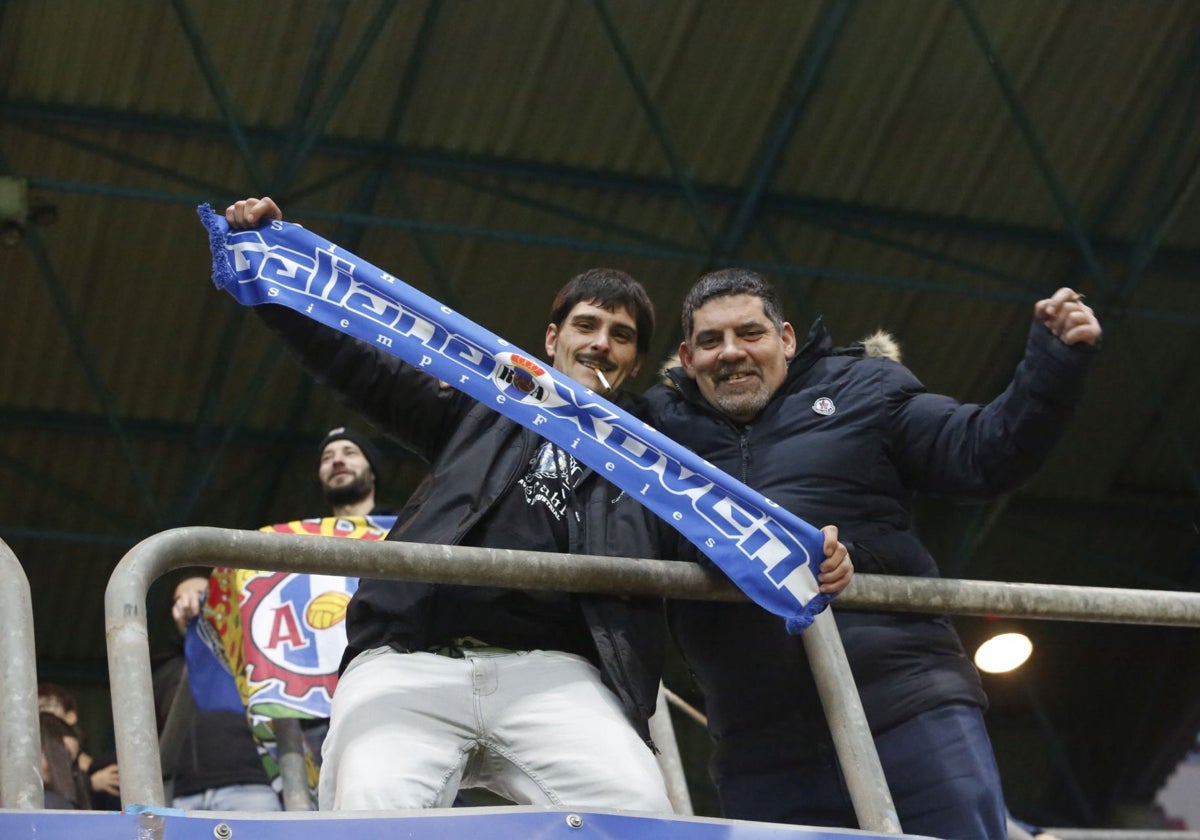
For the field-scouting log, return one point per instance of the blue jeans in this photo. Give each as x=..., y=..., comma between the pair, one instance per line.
x=939, y=767
x=231, y=798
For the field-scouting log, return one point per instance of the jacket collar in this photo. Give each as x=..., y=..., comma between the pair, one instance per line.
x=817, y=345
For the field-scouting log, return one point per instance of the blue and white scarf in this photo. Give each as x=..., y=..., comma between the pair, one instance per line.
x=772, y=555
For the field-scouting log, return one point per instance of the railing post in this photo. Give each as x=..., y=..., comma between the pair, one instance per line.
x=130, y=683
x=662, y=732
x=848, y=725
x=20, y=739
x=293, y=772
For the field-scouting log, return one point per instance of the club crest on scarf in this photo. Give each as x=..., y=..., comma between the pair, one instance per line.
x=522, y=379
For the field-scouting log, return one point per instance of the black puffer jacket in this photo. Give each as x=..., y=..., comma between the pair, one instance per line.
x=476, y=457
x=854, y=460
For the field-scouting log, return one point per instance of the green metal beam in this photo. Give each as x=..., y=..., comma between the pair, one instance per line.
x=314, y=126
x=602, y=246
x=674, y=159
x=315, y=72
x=275, y=470
x=1139, y=149
x=805, y=77
x=121, y=155
x=1173, y=188
x=310, y=125
x=1037, y=146
x=72, y=498
x=85, y=357
x=1178, y=261
x=205, y=463
x=216, y=86
x=550, y=208
x=1160, y=214
x=15, y=532
x=376, y=176
x=165, y=431
x=1085, y=808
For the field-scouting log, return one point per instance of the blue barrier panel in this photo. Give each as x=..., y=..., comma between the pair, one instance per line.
x=456, y=824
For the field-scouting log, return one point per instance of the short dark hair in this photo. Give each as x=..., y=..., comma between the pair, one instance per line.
x=609, y=289
x=57, y=694
x=726, y=282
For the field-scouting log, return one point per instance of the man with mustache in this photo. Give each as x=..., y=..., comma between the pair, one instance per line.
x=541, y=697
x=834, y=436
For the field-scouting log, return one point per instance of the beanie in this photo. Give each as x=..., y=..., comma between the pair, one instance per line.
x=369, y=450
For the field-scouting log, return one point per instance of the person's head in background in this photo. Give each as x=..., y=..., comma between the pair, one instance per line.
x=60, y=751
x=55, y=699
x=348, y=469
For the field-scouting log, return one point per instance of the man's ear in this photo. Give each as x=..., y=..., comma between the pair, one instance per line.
x=685, y=359
x=551, y=340
x=788, y=334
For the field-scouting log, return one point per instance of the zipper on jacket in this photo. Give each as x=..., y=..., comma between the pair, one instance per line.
x=744, y=446
x=577, y=530
x=742, y=432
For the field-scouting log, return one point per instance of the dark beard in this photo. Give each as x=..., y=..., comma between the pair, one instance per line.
x=351, y=493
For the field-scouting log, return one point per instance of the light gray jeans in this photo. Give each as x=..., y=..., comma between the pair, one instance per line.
x=231, y=798
x=535, y=727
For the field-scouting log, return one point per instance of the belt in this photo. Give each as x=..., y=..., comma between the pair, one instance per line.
x=456, y=648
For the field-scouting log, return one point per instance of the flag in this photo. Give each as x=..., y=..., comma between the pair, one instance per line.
x=269, y=643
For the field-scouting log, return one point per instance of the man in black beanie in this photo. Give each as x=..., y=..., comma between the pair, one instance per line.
x=348, y=471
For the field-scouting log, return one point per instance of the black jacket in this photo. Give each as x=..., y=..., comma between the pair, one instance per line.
x=858, y=467
x=476, y=457
x=217, y=749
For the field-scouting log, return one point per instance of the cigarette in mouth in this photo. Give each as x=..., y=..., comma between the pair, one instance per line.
x=603, y=381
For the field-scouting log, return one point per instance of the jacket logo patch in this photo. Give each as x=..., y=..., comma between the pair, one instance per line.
x=824, y=406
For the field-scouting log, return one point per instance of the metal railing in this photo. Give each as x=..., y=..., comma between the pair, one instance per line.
x=129, y=654
x=129, y=651
x=20, y=738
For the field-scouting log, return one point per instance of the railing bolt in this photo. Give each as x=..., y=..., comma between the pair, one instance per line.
x=575, y=821
x=222, y=831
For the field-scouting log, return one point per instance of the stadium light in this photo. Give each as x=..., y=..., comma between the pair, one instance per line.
x=1003, y=652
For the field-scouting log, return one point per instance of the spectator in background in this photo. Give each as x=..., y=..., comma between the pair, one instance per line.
x=63, y=782
x=217, y=766
x=348, y=470
x=104, y=778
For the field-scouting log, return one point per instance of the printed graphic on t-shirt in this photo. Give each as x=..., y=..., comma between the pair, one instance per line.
x=552, y=472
